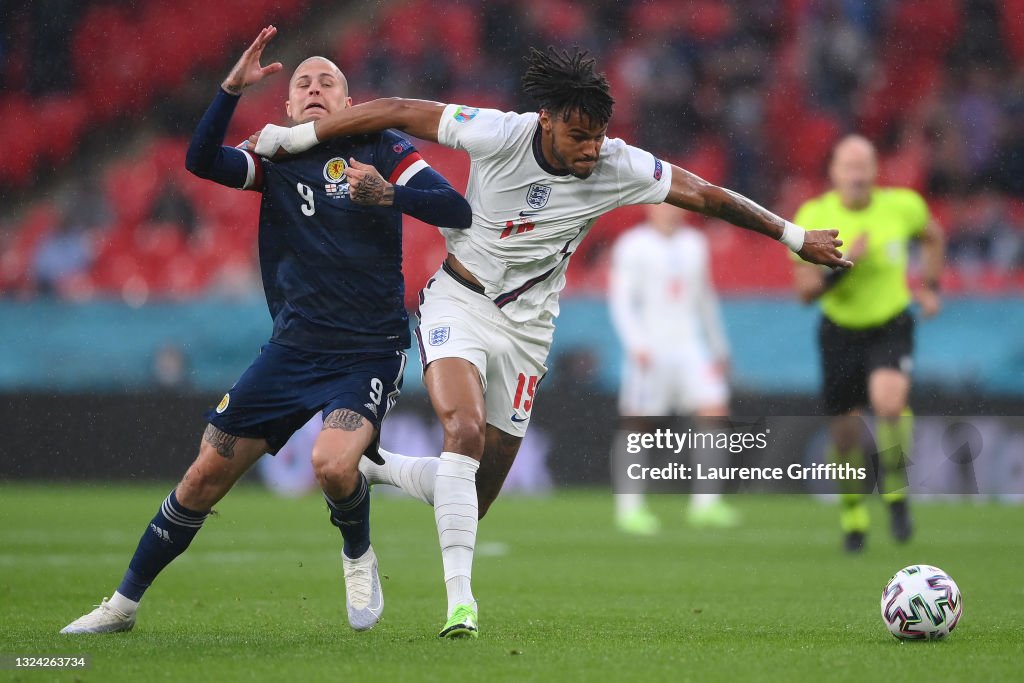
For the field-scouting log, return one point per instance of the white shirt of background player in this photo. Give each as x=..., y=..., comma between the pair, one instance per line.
x=660, y=294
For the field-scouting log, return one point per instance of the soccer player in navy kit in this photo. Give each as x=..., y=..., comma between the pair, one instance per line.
x=330, y=244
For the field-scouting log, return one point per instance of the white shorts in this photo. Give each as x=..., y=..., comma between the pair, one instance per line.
x=672, y=384
x=457, y=322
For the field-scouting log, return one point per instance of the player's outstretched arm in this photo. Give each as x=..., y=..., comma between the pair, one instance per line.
x=419, y=118
x=695, y=194
x=207, y=157
x=427, y=196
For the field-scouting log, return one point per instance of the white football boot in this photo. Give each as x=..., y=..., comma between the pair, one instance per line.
x=363, y=596
x=103, y=619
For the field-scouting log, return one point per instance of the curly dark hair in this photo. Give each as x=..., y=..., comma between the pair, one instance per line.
x=564, y=83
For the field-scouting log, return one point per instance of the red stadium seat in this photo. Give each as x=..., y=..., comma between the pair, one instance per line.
x=1012, y=22
x=123, y=64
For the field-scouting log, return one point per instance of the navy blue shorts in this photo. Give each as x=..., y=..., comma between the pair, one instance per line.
x=284, y=387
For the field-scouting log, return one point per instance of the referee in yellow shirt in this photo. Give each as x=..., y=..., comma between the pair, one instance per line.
x=867, y=330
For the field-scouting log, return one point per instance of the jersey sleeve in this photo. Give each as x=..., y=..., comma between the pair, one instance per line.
x=398, y=159
x=642, y=178
x=916, y=212
x=482, y=133
x=207, y=156
x=254, y=170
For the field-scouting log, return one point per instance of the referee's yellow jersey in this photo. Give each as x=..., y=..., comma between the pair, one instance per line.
x=875, y=290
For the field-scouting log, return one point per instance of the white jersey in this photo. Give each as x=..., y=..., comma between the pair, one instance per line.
x=661, y=297
x=527, y=218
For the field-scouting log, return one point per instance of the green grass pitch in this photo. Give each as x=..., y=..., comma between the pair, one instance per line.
x=259, y=595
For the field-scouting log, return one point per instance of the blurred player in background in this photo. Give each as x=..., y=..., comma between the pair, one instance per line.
x=867, y=329
x=538, y=182
x=331, y=255
x=666, y=314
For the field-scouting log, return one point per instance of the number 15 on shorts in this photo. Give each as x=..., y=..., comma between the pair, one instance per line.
x=525, y=385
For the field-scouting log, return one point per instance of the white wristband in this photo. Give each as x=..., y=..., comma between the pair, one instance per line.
x=292, y=140
x=793, y=236
x=301, y=138
x=271, y=139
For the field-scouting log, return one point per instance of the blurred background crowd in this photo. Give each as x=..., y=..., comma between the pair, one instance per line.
x=99, y=97
x=130, y=290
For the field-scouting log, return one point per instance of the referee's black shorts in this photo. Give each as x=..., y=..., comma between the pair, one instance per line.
x=849, y=356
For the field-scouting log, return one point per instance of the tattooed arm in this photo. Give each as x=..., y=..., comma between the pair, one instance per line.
x=426, y=196
x=367, y=186
x=695, y=194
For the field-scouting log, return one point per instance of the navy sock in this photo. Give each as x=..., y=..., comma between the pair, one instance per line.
x=167, y=536
x=352, y=516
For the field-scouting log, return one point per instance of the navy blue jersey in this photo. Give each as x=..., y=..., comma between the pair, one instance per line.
x=332, y=269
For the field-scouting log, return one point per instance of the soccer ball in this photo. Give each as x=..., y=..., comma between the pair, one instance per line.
x=921, y=602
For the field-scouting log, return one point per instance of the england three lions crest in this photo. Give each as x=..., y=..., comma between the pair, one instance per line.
x=438, y=335
x=537, y=196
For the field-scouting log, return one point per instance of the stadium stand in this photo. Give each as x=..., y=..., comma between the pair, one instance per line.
x=748, y=94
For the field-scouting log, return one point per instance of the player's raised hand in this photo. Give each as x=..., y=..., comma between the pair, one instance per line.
x=248, y=70
x=366, y=185
x=822, y=247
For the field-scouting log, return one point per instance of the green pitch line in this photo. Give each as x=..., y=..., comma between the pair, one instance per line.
x=259, y=595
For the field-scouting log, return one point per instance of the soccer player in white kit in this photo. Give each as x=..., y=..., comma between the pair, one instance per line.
x=537, y=184
x=665, y=312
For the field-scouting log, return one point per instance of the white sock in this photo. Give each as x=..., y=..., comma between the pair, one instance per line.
x=628, y=503
x=629, y=496
x=415, y=476
x=699, y=501
x=455, y=511
x=123, y=604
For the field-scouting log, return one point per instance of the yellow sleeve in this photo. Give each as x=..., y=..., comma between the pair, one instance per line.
x=916, y=212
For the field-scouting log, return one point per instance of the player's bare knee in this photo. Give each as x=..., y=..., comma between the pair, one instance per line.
x=464, y=432
x=336, y=475
x=200, y=489
x=888, y=391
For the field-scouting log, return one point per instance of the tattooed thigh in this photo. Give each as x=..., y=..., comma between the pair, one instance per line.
x=345, y=419
x=223, y=443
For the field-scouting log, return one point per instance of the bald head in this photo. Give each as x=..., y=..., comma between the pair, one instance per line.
x=853, y=170
x=317, y=63
x=855, y=147
x=317, y=88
